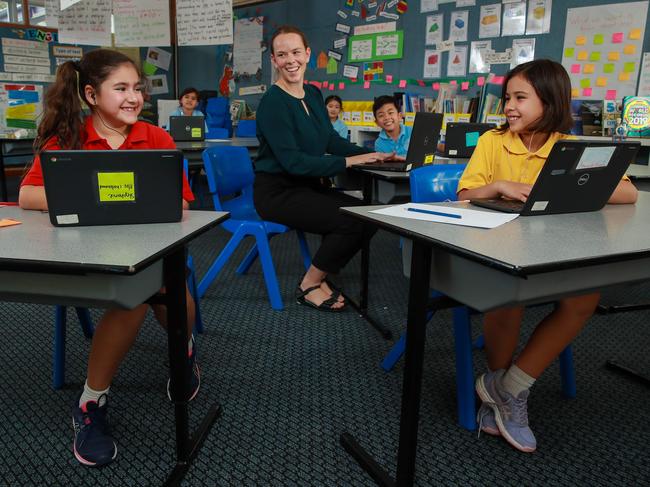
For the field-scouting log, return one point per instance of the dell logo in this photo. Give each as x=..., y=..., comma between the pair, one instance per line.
x=582, y=180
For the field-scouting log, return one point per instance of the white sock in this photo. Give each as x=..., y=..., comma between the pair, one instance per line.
x=89, y=394
x=515, y=380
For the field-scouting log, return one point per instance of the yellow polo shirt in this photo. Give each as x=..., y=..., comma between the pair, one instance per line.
x=505, y=157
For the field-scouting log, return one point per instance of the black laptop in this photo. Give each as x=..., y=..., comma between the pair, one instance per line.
x=577, y=176
x=422, y=145
x=461, y=138
x=187, y=129
x=113, y=187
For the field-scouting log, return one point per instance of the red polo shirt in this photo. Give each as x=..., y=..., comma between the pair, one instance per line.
x=142, y=136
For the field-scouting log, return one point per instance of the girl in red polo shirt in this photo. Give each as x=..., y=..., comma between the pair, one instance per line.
x=110, y=84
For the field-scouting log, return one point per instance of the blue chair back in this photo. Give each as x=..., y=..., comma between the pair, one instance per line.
x=217, y=133
x=435, y=182
x=217, y=114
x=230, y=174
x=246, y=128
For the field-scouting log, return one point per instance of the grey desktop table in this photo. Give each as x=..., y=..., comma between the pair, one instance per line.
x=639, y=174
x=529, y=260
x=111, y=266
x=192, y=150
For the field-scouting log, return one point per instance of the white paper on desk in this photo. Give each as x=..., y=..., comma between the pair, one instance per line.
x=469, y=218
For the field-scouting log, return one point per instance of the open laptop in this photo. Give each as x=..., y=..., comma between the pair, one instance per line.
x=113, y=187
x=422, y=145
x=187, y=129
x=461, y=138
x=577, y=176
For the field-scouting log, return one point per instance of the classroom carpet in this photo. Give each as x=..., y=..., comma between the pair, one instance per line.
x=290, y=382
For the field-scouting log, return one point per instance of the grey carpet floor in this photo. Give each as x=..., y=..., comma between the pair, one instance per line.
x=291, y=381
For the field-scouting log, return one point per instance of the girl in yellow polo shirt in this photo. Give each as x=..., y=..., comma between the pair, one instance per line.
x=506, y=162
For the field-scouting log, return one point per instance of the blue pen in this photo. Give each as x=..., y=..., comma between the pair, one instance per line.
x=437, y=213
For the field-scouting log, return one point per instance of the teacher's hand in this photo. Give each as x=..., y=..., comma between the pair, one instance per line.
x=367, y=158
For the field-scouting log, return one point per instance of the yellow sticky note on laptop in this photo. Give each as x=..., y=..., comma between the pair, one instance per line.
x=116, y=186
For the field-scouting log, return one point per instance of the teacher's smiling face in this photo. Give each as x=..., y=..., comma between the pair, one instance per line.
x=290, y=57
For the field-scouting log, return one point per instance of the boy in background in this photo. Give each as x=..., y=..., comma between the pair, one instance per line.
x=394, y=136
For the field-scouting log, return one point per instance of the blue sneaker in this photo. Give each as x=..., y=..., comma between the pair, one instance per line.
x=93, y=445
x=195, y=380
x=486, y=422
x=510, y=413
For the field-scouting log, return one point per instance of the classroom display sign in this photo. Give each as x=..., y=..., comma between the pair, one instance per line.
x=376, y=47
x=636, y=114
x=602, y=51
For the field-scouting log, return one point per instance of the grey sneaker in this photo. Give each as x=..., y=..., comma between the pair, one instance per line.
x=486, y=422
x=510, y=413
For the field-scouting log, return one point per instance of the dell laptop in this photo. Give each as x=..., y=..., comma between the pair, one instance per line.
x=187, y=129
x=422, y=145
x=461, y=138
x=113, y=187
x=577, y=176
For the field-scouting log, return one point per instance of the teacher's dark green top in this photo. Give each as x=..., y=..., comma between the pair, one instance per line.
x=295, y=142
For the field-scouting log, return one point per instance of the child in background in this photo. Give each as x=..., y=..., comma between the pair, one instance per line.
x=188, y=101
x=394, y=136
x=110, y=83
x=506, y=162
x=334, y=107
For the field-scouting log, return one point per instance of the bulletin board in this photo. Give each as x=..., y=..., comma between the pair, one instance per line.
x=376, y=47
x=602, y=49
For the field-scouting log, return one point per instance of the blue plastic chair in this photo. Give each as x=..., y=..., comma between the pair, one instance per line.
x=217, y=115
x=436, y=183
x=246, y=128
x=230, y=173
x=217, y=133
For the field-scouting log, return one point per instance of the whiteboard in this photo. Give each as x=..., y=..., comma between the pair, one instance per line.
x=602, y=49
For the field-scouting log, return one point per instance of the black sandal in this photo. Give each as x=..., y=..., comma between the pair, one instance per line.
x=301, y=298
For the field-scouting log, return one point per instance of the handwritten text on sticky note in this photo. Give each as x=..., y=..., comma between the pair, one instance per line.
x=116, y=186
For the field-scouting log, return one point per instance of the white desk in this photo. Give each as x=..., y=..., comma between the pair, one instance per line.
x=528, y=260
x=111, y=266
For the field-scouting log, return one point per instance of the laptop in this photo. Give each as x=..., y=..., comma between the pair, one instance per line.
x=461, y=138
x=422, y=145
x=577, y=176
x=113, y=187
x=187, y=129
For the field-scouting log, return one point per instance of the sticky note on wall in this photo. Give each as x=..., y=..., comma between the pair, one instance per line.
x=608, y=68
x=614, y=56
x=635, y=34
x=588, y=68
x=617, y=37
x=575, y=68
x=582, y=55
x=629, y=49
x=585, y=83
x=586, y=92
x=575, y=92
x=599, y=38
x=601, y=81
x=628, y=67
x=624, y=76
x=610, y=95
x=569, y=52
x=581, y=40
x=594, y=56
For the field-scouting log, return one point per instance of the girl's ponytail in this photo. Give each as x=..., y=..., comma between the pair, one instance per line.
x=62, y=115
